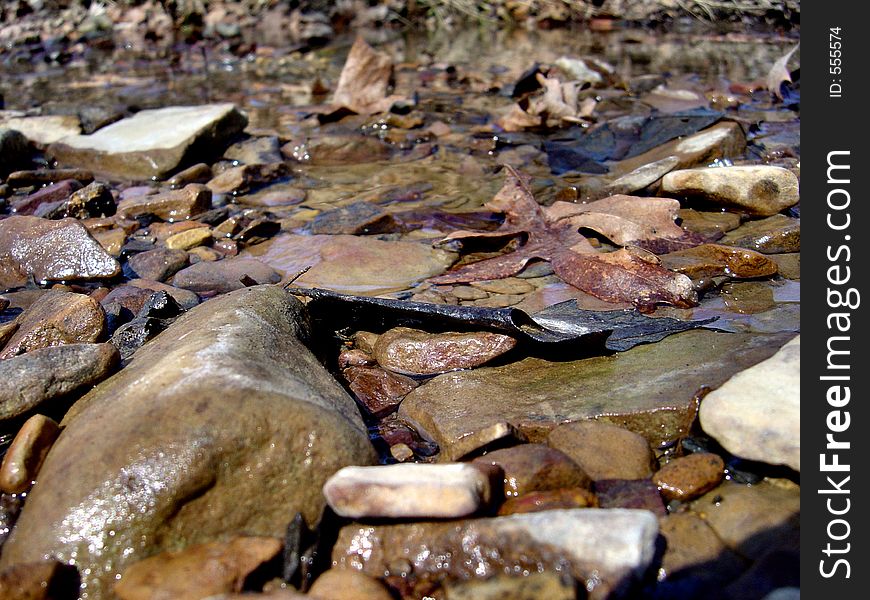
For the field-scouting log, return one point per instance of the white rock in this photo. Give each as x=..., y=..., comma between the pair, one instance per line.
x=756, y=413
x=407, y=490
x=47, y=129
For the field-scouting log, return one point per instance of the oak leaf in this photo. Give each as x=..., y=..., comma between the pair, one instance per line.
x=627, y=275
x=364, y=80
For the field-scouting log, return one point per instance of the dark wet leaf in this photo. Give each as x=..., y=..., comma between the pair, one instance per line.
x=563, y=322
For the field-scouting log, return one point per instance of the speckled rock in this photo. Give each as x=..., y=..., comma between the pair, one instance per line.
x=48, y=373
x=210, y=430
x=760, y=190
x=687, y=477
x=219, y=277
x=414, y=352
x=605, y=549
x=756, y=413
x=56, y=318
x=197, y=571
x=408, y=490
x=535, y=467
x=603, y=450
x=50, y=251
x=773, y=235
x=153, y=143
x=26, y=452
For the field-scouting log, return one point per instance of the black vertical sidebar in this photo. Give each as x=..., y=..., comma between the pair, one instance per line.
x=835, y=421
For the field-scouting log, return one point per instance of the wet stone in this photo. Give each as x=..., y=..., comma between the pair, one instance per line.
x=711, y=225
x=20, y=179
x=508, y=285
x=756, y=413
x=760, y=190
x=408, y=491
x=238, y=180
x=198, y=173
x=44, y=129
x=649, y=389
x=159, y=264
x=111, y=240
x=535, y=467
x=642, y=176
x=73, y=367
x=153, y=143
x=378, y=390
x=629, y=493
x=197, y=571
x=132, y=335
x=54, y=319
x=778, y=569
x=357, y=218
x=549, y=500
x=185, y=240
x=94, y=200
x=122, y=304
x=14, y=151
x=25, y=455
x=534, y=586
x=344, y=584
x=713, y=260
x=415, y=352
x=49, y=196
x=687, y=477
x=773, y=235
x=499, y=301
x=603, y=450
x=467, y=292
x=788, y=264
x=40, y=580
x=255, y=151
x=222, y=276
x=617, y=545
x=337, y=150
x=174, y=205
x=10, y=508
x=185, y=298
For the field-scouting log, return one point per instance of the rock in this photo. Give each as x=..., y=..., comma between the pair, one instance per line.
x=198, y=173
x=604, y=451
x=711, y=225
x=408, y=491
x=760, y=190
x=122, y=304
x=723, y=140
x=378, y=390
x=223, y=423
x=185, y=298
x=756, y=413
x=605, y=549
x=344, y=584
x=352, y=264
x=56, y=318
x=94, y=200
x=26, y=452
x=549, y=500
x=777, y=569
x=197, y=571
x=132, y=335
x=6, y=331
x=43, y=375
x=185, y=240
x=159, y=264
x=220, y=277
x=38, y=177
x=751, y=520
x=773, y=235
x=45, y=129
x=687, y=477
x=629, y=493
x=508, y=285
x=174, y=205
x=357, y=218
x=255, y=151
x=50, y=251
x=784, y=593
x=535, y=467
x=46, y=200
x=415, y=352
x=14, y=152
x=39, y=580
x=153, y=143
x=714, y=260
x=649, y=389
x=534, y=586
x=467, y=292
x=642, y=177
x=237, y=180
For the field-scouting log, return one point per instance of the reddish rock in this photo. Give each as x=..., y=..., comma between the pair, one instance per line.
x=535, y=467
x=688, y=477
x=241, y=179
x=174, y=205
x=52, y=193
x=603, y=450
x=379, y=391
x=549, y=500
x=26, y=453
x=220, y=277
x=629, y=493
x=158, y=264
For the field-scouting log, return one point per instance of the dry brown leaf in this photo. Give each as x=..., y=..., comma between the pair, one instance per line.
x=556, y=103
x=622, y=276
x=779, y=73
x=630, y=221
x=364, y=80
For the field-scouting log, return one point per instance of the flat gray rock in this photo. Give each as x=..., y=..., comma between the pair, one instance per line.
x=756, y=413
x=153, y=143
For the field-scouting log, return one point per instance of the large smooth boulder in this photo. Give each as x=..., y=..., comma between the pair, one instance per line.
x=224, y=424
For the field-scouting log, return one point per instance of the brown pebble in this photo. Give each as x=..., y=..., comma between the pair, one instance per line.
x=630, y=493
x=198, y=173
x=549, y=500
x=348, y=584
x=20, y=179
x=691, y=476
x=535, y=467
x=26, y=453
x=378, y=390
x=603, y=450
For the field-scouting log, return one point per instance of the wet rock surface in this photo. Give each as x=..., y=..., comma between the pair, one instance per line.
x=25, y=454
x=773, y=235
x=603, y=450
x=242, y=347
x=759, y=190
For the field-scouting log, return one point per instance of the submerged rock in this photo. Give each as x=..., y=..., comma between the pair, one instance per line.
x=603, y=549
x=756, y=413
x=414, y=352
x=50, y=251
x=603, y=450
x=219, y=277
x=408, y=490
x=713, y=260
x=153, y=143
x=49, y=373
x=773, y=235
x=760, y=190
x=535, y=467
x=649, y=389
x=223, y=423
x=687, y=477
